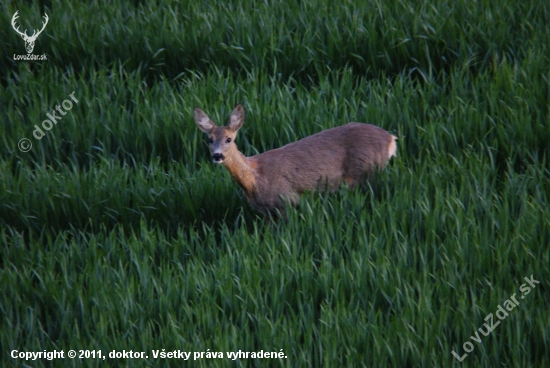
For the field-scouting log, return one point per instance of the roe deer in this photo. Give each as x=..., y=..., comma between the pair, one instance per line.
x=327, y=159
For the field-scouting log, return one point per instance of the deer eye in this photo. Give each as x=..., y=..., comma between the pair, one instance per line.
x=228, y=140
x=210, y=140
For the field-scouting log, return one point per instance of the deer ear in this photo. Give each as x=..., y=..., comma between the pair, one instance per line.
x=237, y=118
x=203, y=121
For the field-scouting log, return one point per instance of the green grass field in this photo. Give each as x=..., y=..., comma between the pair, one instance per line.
x=117, y=233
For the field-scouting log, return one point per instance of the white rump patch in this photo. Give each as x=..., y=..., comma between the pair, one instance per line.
x=392, y=149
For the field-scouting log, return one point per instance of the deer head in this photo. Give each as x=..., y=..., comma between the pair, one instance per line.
x=29, y=40
x=221, y=139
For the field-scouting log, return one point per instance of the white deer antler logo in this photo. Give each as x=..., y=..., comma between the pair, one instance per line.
x=29, y=40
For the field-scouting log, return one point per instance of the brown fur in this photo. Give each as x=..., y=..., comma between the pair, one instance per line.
x=325, y=160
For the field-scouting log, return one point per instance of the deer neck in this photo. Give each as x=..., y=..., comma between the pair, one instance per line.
x=241, y=170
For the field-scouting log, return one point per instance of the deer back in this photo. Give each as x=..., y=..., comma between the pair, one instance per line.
x=321, y=161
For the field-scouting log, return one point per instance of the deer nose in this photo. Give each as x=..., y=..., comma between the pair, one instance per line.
x=217, y=156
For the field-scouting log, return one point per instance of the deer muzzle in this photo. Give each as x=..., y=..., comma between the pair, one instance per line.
x=217, y=158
